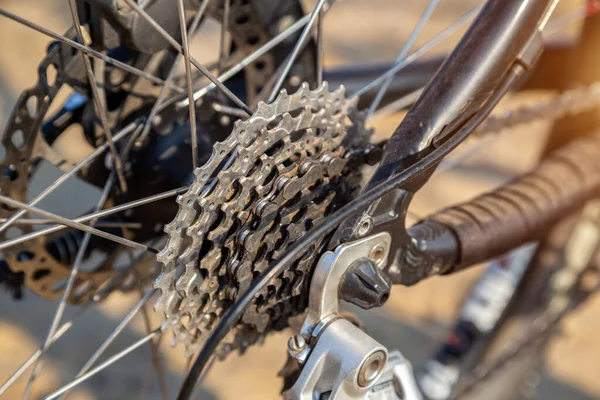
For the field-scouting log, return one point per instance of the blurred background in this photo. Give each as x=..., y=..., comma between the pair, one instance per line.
x=414, y=320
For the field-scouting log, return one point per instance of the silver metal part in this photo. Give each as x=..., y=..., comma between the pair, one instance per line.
x=323, y=300
x=400, y=372
x=344, y=363
x=298, y=348
x=371, y=368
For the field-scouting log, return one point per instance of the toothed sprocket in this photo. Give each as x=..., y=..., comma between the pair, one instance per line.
x=279, y=172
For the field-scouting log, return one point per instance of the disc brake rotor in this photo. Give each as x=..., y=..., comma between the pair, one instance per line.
x=45, y=262
x=279, y=172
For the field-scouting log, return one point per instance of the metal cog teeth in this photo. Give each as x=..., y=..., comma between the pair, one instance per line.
x=277, y=174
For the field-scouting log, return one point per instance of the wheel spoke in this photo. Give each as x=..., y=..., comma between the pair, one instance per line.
x=96, y=85
x=86, y=50
x=67, y=291
x=104, y=365
x=155, y=356
x=419, y=52
x=104, y=289
x=172, y=74
x=64, y=177
x=236, y=112
x=188, y=79
x=560, y=22
x=403, y=53
x=249, y=59
x=35, y=356
x=99, y=104
x=549, y=13
x=399, y=104
x=99, y=214
x=553, y=27
x=113, y=335
x=100, y=224
x=223, y=47
x=194, y=62
x=77, y=225
x=304, y=37
x=320, y=55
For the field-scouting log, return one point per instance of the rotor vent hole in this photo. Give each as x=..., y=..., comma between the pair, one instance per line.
x=242, y=19
x=25, y=256
x=32, y=106
x=252, y=40
x=18, y=139
x=40, y=273
x=51, y=75
x=11, y=173
x=260, y=65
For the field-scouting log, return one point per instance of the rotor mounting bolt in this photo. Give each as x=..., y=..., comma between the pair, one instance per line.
x=371, y=368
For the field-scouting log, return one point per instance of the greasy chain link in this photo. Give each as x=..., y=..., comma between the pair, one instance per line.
x=280, y=172
x=570, y=102
x=24, y=146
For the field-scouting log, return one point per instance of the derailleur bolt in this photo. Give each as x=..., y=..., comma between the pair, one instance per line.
x=298, y=348
x=296, y=345
x=371, y=368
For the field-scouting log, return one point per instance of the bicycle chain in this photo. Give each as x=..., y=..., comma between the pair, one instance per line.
x=568, y=103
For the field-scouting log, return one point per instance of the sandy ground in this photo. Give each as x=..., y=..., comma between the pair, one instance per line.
x=413, y=320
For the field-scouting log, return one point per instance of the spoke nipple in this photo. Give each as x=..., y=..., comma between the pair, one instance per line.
x=295, y=80
x=225, y=120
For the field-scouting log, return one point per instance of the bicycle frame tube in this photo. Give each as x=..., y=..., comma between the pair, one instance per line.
x=468, y=77
x=503, y=37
